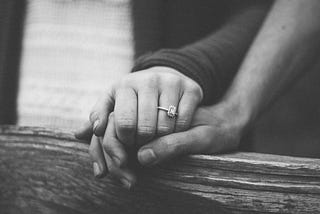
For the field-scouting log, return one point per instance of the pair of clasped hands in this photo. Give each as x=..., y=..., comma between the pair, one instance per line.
x=127, y=116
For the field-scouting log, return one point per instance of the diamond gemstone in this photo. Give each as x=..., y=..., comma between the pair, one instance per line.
x=171, y=111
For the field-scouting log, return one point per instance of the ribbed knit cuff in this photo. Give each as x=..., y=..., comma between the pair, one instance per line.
x=186, y=65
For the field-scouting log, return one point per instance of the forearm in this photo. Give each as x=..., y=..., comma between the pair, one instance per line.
x=286, y=46
x=213, y=61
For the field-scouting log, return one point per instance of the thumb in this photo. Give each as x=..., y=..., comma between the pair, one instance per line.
x=173, y=145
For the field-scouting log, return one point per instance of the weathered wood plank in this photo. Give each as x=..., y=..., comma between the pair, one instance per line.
x=46, y=171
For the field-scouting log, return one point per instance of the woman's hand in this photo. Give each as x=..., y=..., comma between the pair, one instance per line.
x=135, y=101
x=214, y=129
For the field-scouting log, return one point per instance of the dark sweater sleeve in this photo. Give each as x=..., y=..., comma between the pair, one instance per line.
x=213, y=61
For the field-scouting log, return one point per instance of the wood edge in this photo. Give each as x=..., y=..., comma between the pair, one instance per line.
x=261, y=163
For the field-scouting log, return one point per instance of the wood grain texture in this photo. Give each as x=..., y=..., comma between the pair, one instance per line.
x=46, y=171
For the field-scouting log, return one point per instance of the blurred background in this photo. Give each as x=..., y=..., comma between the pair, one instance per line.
x=72, y=50
x=292, y=125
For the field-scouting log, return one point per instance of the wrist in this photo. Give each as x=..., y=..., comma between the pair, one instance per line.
x=237, y=113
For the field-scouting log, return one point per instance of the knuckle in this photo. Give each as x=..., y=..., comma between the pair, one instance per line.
x=195, y=90
x=136, y=78
x=151, y=76
x=126, y=125
x=146, y=131
x=124, y=85
x=182, y=124
x=151, y=81
x=164, y=129
x=172, y=80
x=194, y=87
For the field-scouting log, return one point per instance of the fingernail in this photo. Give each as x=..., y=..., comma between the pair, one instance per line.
x=96, y=170
x=95, y=125
x=125, y=183
x=147, y=157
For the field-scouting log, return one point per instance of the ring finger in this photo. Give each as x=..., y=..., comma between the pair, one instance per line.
x=168, y=99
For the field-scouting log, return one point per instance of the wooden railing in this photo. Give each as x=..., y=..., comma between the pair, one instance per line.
x=45, y=171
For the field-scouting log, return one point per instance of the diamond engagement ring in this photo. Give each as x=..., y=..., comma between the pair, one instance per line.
x=171, y=111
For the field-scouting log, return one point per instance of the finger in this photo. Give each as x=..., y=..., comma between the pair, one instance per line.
x=97, y=156
x=85, y=132
x=100, y=112
x=187, y=106
x=147, y=115
x=125, y=114
x=170, y=96
x=125, y=175
x=112, y=146
x=173, y=145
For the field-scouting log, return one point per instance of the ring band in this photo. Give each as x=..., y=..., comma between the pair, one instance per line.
x=171, y=111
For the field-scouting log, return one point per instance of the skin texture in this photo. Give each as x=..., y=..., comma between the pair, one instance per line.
x=134, y=101
x=286, y=46
x=127, y=116
x=214, y=122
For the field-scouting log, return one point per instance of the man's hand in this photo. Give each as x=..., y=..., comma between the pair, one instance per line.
x=214, y=129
